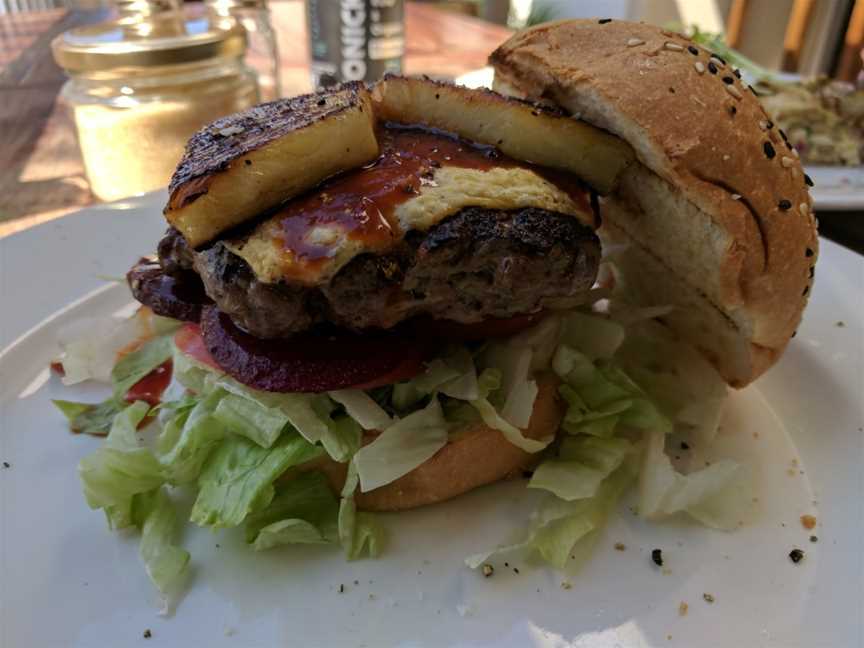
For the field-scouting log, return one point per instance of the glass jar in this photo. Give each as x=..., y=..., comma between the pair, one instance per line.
x=262, y=53
x=138, y=89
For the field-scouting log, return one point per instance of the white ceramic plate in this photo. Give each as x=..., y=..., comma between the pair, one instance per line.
x=66, y=581
x=835, y=187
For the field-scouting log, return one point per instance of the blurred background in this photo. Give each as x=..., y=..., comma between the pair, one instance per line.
x=98, y=97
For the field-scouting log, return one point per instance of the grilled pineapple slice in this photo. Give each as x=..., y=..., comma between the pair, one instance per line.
x=242, y=165
x=522, y=130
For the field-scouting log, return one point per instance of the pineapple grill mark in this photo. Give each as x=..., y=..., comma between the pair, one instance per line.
x=360, y=204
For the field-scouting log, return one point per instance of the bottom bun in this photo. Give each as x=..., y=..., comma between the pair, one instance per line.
x=474, y=456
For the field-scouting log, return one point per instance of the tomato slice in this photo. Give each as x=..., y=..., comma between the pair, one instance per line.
x=151, y=387
x=188, y=339
x=489, y=328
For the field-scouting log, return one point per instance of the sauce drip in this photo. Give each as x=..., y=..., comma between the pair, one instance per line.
x=151, y=387
x=360, y=204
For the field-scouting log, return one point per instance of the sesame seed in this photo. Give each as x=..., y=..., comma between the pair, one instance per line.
x=675, y=47
x=787, y=161
x=737, y=73
x=795, y=152
x=732, y=110
x=726, y=157
x=784, y=205
x=700, y=68
x=736, y=196
x=712, y=68
x=633, y=42
x=488, y=570
x=769, y=150
x=732, y=90
x=603, y=21
x=693, y=50
x=763, y=124
x=728, y=80
x=807, y=180
x=812, y=274
x=770, y=124
x=716, y=59
x=809, y=252
x=803, y=208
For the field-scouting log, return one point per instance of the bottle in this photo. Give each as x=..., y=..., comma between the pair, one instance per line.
x=355, y=40
x=262, y=53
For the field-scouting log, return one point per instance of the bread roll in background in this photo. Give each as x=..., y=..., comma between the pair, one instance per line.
x=717, y=212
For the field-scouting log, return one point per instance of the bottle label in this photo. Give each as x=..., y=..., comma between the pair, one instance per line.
x=355, y=40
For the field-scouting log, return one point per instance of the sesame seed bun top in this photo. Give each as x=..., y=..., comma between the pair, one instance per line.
x=720, y=198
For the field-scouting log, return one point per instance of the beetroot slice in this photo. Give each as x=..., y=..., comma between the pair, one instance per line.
x=178, y=296
x=308, y=362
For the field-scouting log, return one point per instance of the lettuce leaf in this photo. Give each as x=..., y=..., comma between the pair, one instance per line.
x=290, y=531
x=189, y=437
x=513, y=434
x=581, y=466
x=263, y=425
x=306, y=497
x=165, y=561
x=120, y=468
x=360, y=407
x=359, y=533
x=559, y=528
x=402, y=447
x=91, y=418
x=594, y=335
x=518, y=389
x=716, y=496
x=238, y=477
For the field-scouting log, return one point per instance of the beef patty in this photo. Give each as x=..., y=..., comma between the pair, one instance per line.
x=477, y=264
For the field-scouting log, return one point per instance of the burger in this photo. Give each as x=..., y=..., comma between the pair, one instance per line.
x=390, y=295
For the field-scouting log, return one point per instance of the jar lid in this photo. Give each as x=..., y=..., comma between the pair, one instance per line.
x=166, y=39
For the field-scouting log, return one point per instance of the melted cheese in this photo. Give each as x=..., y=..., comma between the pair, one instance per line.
x=450, y=190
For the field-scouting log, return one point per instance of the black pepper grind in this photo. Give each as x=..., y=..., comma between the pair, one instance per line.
x=355, y=40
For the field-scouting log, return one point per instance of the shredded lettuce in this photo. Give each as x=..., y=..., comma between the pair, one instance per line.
x=242, y=416
x=120, y=468
x=558, y=527
x=308, y=414
x=189, y=437
x=593, y=335
x=359, y=533
x=581, y=466
x=362, y=408
x=716, y=495
x=513, y=434
x=518, y=389
x=238, y=477
x=402, y=447
x=164, y=560
x=453, y=375
x=291, y=531
x=306, y=497
x=91, y=418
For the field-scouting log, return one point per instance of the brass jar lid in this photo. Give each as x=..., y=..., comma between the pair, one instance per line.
x=166, y=39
